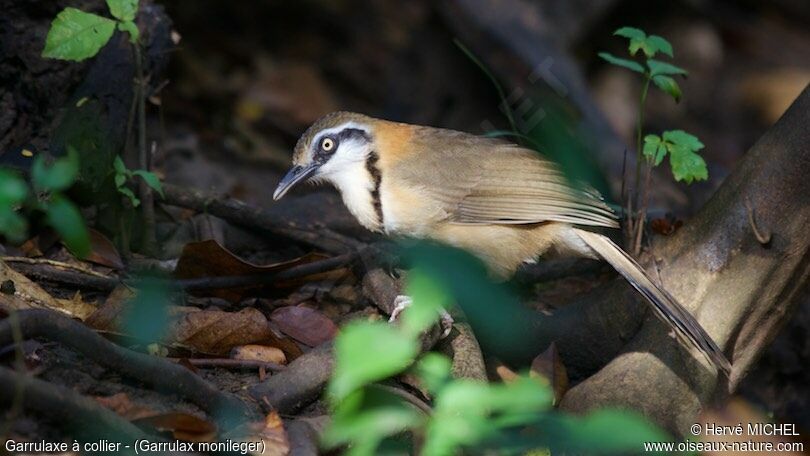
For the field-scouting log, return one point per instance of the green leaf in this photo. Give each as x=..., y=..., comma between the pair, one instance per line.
x=651, y=144
x=668, y=85
x=366, y=352
x=629, y=64
x=684, y=139
x=120, y=180
x=12, y=225
x=119, y=166
x=128, y=193
x=631, y=33
x=130, y=28
x=601, y=432
x=57, y=176
x=434, y=371
x=151, y=180
x=76, y=35
x=660, y=44
x=365, y=417
x=429, y=297
x=64, y=217
x=123, y=10
x=659, y=67
x=686, y=165
x=12, y=189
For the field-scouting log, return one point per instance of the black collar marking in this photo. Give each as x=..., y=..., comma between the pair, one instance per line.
x=376, y=177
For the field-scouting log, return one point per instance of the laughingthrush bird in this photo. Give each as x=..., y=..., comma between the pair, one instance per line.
x=505, y=204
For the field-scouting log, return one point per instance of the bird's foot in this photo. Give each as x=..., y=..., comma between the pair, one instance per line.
x=402, y=302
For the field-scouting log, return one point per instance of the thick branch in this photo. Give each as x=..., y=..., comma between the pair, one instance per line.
x=274, y=222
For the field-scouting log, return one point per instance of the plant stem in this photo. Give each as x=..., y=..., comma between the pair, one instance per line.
x=148, y=241
x=638, y=226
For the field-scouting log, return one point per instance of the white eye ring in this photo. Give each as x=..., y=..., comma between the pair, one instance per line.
x=327, y=144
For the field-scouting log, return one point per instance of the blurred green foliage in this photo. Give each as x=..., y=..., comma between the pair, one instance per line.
x=467, y=415
x=49, y=181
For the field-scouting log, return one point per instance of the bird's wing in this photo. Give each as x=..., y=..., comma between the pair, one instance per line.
x=485, y=181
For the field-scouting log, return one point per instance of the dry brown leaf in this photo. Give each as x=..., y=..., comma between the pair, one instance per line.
x=183, y=426
x=549, y=366
x=103, y=252
x=270, y=432
x=215, y=332
x=121, y=404
x=264, y=353
x=19, y=293
x=108, y=316
x=303, y=324
x=209, y=259
x=76, y=306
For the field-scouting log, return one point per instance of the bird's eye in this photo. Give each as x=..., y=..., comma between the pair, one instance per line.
x=327, y=144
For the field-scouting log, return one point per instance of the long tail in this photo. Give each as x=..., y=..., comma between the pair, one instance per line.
x=664, y=304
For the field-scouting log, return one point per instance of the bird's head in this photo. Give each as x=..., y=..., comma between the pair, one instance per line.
x=333, y=145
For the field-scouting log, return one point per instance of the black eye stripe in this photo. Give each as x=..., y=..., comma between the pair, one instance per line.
x=321, y=155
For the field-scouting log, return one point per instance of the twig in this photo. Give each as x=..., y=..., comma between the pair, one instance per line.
x=82, y=280
x=157, y=372
x=66, y=406
x=406, y=395
x=762, y=238
x=238, y=212
x=148, y=242
x=58, y=264
x=77, y=279
x=234, y=363
x=266, y=278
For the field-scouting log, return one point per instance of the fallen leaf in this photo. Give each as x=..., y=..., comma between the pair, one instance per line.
x=303, y=324
x=182, y=426
x=18, y=292
x=103, y=252
x=209, y=259
x=665, y=226
x=121, y=404
x=263, y=353
x=76, y=306
x=216, y=332
x=549, y=366
x=211, y=332
x=270, y=431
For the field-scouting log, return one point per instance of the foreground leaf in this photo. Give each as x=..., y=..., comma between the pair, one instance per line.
x=76, y=35
x=64, y=217
x=366, y=352
x=57, y=176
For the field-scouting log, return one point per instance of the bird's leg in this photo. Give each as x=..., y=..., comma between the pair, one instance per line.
x=402, y=302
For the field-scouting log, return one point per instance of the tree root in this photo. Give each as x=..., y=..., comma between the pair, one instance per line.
x=66, y=406
x=158, y=373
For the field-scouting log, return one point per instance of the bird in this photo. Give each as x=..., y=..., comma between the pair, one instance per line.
x=503, y=203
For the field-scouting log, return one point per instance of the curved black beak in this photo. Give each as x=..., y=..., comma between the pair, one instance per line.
x=293, y=176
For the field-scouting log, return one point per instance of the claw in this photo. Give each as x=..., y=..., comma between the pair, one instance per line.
x=402, y=302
